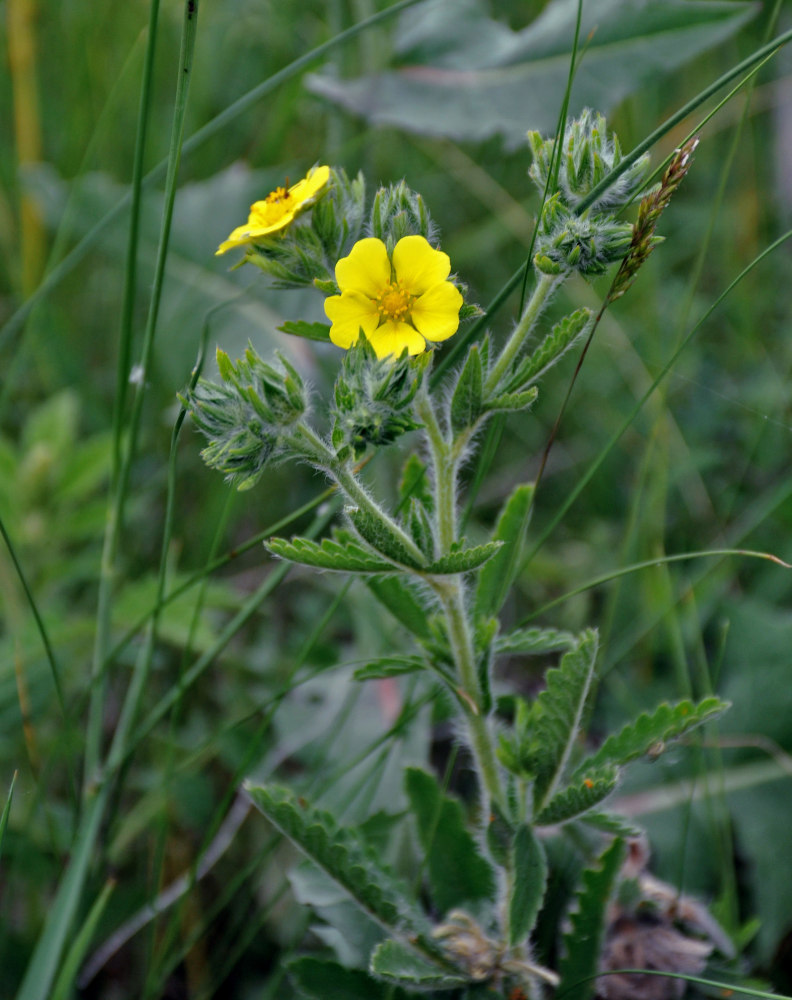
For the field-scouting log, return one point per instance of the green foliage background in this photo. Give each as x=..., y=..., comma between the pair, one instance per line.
x=704, y=465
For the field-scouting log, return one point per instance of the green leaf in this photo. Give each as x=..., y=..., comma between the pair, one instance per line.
x=651, y=732
x=583, y=942
x=530, y=880
x=64, y=984
x=7, y=809
x=497, y=576
x=348, y=557
x=322, y=980
x=377, y=533
x=311, y=331
x=558, y=713
x=553, y=347
x=462, y=560
x=461, y=74
x=415, y=483
x=466, y=402
x=577, y=798
x=342, y=856
x=457, y=871
x=389, y=666
x=500, y=836
x=611, y=823
x=533, y=641
x=394, y=963
x=403, y=602
x=512, y=402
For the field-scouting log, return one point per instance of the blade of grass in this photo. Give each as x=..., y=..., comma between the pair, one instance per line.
x=64, y=984
x=7, y=810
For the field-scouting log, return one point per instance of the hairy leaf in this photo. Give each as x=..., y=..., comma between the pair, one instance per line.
x=311, y=331
x=339, y=853
x=611, y=823
x=389, y=666
x=553, y=347
x=500, y=836
x=583, y=942
x=322, y=980
x=577, y=798
x=401, y=599
x=347, y=556
x=557, y=716
x=466, y=402
x=457, y=871
x=512, y=402
x=462, y=560
x=651, y=731
x=530, y=880
x=534, y=641
x=380, y=537
x=415, y=483
x=394, y=963
x=497, y=576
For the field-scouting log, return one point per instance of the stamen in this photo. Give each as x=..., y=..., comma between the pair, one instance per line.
x=393, y=302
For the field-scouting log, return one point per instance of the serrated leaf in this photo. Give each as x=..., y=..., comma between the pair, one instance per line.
x=500, y=836
x=394, y=963
x=380, y=537
x=406, y=606
x=650, y=731
x=511, y=402
x=466, y=402
x=611, y=823
x=534, y=641
x=461, y=74
x=583, y=943
x=577, y=798
x=340, y=854
x=347, y=557
x=497, y=576
x=310, y=331
x=389, y=666
x=322, y=980
x=558, y=714
x=463, y=560
x=457, y=871
x=553, y=347
x=529, y=869
x=415, y=483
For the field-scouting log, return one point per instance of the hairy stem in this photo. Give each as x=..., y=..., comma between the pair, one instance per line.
x=544, y=286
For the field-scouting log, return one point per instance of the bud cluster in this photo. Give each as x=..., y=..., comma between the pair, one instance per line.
x=372, y=397
x=585, y=243
x=245, y=416
x=398, y=211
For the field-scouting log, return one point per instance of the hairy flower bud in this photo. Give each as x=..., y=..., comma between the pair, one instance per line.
x=586, y=243
x=398, y=211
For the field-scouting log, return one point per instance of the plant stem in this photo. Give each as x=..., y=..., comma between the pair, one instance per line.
x=536, y=303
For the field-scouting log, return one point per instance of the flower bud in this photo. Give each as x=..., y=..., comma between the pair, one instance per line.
x=398, y=211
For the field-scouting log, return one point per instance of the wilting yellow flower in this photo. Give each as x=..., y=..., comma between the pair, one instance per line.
x=398, y=302
x=277, y=210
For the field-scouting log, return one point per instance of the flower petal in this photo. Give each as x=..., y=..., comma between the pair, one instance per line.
x=311, y=185
x=392, y=337
x=366, y=270
x=418, y=265
x=348, y=313
x=436, y=313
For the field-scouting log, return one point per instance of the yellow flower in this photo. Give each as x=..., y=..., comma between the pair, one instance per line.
x=398, y=302
x=277, y=210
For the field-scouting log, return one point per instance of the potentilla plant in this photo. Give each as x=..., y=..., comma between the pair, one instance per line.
x=391, y=298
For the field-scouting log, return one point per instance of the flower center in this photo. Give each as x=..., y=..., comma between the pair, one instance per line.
x=393, y=302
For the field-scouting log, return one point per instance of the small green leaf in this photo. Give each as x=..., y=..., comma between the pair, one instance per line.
x=380, y=537
x=497, y=576
x=534, y=641
x=553, y=347
x=347, y=557
x=311, y=331
x=389, y=666
x=530, y=881
x=500, y=835
x=578, y=798
x=466, y=402
x=457, y=871
x=651, y=732
x=415, y=483
x=395, y=963
x=462, y=560
x=322, y=980
x=583, y=942
x=401, y=599
x=511, y=402
x=611, y=823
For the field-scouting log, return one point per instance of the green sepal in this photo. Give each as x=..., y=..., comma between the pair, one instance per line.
x=511, y=402
x=310, y=331
x=399, y=965
x=575, y=799
x=401, y=599
x=583, y=942
x=545, y=265
x=457, y=872
x=462, y=560
x=534, y=641
x=564, y=335
x=326, y=286
x=344, y=557
x=470, y=311
x=496, y=578
x=389, y=666
x=379, y=536
x=529, y=881
x=467, y=400
x=651, y=731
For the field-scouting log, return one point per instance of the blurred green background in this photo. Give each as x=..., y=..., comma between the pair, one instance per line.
x=703, y=465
